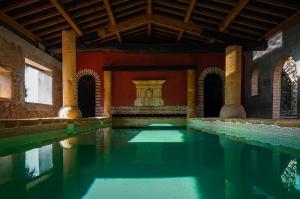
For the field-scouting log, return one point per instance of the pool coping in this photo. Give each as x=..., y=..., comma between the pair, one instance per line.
x=253, y=136
x=23, y=127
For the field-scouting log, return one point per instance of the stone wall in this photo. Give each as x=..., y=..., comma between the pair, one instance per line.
x=261, y=105
x=13, y=51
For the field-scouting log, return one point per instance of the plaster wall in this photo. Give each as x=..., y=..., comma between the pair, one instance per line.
x=174, y=90
x=261, y=106
x=13, y=51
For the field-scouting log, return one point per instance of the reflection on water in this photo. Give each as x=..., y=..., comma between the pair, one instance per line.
x=149, y=163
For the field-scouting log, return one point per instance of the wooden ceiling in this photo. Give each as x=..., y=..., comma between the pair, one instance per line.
x=100, y=22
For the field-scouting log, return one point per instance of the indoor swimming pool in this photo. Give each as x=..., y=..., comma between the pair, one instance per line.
x=146, y=163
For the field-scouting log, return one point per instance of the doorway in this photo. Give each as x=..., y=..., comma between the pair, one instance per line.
x=213, y=95
x=86, y=95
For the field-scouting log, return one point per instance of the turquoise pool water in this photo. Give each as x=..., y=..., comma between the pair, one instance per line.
x=150, y=163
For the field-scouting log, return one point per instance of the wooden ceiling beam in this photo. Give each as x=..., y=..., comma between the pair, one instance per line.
x=169, y=11
x=140, y=20
x=33, y=11
x=149, y=16
x=170, y=5
x=18, y=5
x=21, y=29
x=40, y=18
x=234, y=13
x=108, y=30
x=112, y=19
x=95, y=23
x=67, y=16
x=91, y=18
x=166, y=31
x=244, y=15
x=254, y=8
x=71, y=8
x=190, y=26
x=131, y=12
x=137, y=35
x=128, y=7
x=142, y=28
x=45, y=25
x=281, y=4
x=267, y=11
x=283, y=25
x=186, y=18
x=82, y=4
x=53, y=30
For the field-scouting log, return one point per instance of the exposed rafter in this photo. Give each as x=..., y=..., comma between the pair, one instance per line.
x=149, y=16
x=21, y=29
x=223, y=22
x=124, y=25
x=187, y=18
x=231, y=16
x=136, y=21
x=67, y=16
x=18, y=5
x=280, y=4
x=112, y=19
x=294, y=18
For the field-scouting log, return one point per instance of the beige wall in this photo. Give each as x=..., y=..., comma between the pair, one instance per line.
x=13, y=51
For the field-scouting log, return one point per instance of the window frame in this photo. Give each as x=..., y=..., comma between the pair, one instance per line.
x=255, y=76
x=37, y=105
x=7, y=70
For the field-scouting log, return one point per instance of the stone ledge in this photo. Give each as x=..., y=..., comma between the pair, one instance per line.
x=279, y=122
x=264, y=133
x=20, y=127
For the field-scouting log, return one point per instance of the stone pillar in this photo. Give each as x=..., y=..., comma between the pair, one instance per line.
x=233, y=78
x=191, y=94
x=234, y=187
x=70, y=172
x=70, y=105
x=107, y=94
x=107, y=147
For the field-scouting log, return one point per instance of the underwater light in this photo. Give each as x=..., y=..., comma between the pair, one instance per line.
x=146, y=188
x=160, y=124
x=158, y=136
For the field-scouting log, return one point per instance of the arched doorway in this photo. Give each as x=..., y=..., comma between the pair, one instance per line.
x=202, y=97
x=213, y=95
x=86, y=95
x=285, y=89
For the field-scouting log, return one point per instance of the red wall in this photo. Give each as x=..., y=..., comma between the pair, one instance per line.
x=174, y=90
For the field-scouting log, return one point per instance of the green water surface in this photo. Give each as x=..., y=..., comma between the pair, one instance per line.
x=150, y=163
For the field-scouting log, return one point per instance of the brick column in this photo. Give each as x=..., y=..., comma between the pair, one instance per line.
x=107, y=94
x=233, y=78
x=70, y=105
x=191, y=94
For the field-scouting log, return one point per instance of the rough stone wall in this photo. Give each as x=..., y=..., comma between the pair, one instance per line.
x=13, y=51
x=261, y=106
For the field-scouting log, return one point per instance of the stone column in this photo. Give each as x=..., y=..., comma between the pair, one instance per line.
x=70, y=105
x=191, y=94
x=107, y=147
x=70, y=172
x=107, y=94
x=233, y=78
x=234, y=187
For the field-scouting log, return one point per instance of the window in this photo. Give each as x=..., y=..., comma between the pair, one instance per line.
x=273, y=43
x=38, y=83
x=5, y=83
x=255, y=82
x=38, y=162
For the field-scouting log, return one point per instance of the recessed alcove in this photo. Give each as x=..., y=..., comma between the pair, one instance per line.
x=5, y=84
